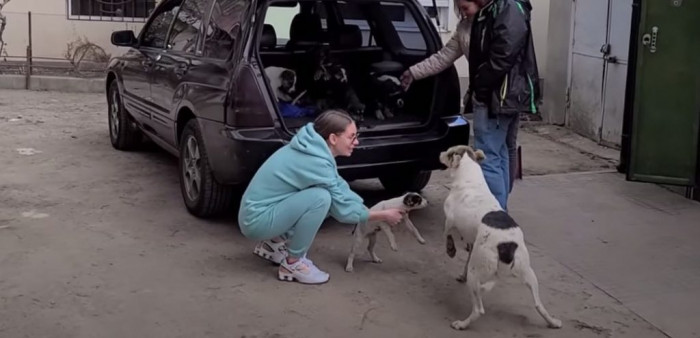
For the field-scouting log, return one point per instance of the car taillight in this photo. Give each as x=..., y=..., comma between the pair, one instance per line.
x=247, y=105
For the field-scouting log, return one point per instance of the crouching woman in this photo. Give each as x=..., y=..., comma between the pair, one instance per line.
x=296, y=189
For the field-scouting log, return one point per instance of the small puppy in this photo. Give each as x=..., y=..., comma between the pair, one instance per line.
x=330, y=85
x=495, y=242
x=409, y=201
x=283, y=82
x=389, y=97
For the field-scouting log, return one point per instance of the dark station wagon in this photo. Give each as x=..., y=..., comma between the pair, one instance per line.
x=193, y=81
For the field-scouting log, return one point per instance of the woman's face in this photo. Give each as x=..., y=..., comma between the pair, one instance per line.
x=342, y=144
x=468, y=8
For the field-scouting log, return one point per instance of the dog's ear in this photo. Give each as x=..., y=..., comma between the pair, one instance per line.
x=288, y=75
x=412, y=199
x=479, y=156
x=407, y=200
x=451, y=157
x=476, y=155
x=444, y=159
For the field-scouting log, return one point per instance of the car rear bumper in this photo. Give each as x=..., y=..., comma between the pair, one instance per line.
x=235, y=155
x=415, y=152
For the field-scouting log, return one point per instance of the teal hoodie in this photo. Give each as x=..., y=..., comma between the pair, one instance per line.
x=303, y=163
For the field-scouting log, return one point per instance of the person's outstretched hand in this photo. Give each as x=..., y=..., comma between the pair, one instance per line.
x=393, y=216
x=406, y=79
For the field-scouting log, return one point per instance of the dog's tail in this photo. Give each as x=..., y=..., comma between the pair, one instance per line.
x=506, y=252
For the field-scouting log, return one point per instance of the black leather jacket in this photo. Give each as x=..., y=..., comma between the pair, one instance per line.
x=502, y=64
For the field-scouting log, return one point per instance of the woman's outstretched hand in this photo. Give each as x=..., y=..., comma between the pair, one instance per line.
x=390, y=216
x=394, y=216
x=406, y=79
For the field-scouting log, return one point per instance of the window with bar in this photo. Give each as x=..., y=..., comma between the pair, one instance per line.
x=110, y=10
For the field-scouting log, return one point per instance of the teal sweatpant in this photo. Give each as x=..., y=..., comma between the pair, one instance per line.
x=296, y=218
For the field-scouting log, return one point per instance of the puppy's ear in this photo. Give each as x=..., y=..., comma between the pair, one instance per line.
x=479, y=156
x=444, y=158
x=408, y=200
x=416, y=199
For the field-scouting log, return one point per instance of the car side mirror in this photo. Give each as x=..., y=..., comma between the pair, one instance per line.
x=125, y=38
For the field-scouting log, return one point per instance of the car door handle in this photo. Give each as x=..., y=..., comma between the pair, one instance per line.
x=148, y=62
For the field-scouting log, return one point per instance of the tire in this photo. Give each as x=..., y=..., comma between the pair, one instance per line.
x=203, y=195
x=123, y=132
x=411, y=181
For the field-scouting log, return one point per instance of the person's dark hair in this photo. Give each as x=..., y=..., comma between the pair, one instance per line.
x=332, y=121
x=455, y=7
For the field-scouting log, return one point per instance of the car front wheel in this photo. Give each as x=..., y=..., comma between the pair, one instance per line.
x=400, y=183
x=202, y=194
x=122, y=130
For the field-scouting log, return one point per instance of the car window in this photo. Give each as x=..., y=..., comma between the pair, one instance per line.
x=405, y=24
x=224, y=28
x=401, y=18
x=280, y=18
x=183, y=36
x=352, y=15
x=157, y=30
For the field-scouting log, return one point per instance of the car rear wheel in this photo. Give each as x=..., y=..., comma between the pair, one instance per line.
x=400, y=183
x=123, y=132
x=203, y=195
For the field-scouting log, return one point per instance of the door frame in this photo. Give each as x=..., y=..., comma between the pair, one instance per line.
x=628, y=112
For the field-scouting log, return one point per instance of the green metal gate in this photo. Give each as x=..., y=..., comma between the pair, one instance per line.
x=665, y=103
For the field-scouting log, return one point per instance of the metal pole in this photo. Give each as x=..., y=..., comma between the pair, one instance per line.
x=31, y=46
x=28, y=71
x=27, y=77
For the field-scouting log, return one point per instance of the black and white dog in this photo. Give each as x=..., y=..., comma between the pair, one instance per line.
x=475, y=222
x=283, y=82
x=330, y=87
x=409, y=201
x=389, y=97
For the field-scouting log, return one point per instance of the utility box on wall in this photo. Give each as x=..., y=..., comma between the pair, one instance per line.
x=661, y=133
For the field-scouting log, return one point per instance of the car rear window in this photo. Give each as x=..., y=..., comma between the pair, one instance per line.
x=401, y=17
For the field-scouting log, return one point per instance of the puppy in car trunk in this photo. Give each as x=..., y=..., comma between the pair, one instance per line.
x=389, y=97
x=330, y=88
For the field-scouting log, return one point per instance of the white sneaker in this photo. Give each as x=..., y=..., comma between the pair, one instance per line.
x=312, y=265
x=273, y=252
x=303, y=271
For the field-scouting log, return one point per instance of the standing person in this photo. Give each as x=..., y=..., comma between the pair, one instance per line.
x=296, y=189
x=503, y=80
x=455, y=48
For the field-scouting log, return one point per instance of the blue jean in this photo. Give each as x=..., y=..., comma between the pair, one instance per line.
x=491, y=135
x=296, y=218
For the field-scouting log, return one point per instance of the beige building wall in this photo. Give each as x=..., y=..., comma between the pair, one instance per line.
x=51, y=29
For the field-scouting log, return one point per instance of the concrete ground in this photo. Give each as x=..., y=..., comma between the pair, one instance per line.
x=97, y=243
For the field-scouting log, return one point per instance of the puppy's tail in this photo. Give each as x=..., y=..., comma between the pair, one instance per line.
x=506, y=252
